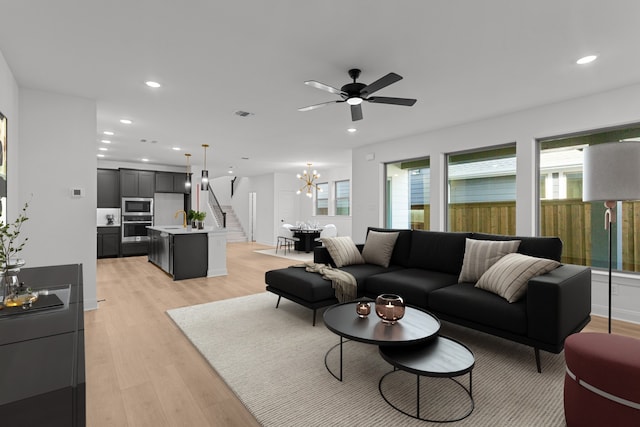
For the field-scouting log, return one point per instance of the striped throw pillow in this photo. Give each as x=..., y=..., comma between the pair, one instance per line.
x=510, y=276
x=479, y=255
x=343, y=250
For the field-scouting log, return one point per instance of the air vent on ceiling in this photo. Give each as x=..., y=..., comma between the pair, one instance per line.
x=243, y=113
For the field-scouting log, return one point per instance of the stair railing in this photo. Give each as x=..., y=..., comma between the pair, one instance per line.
x=218, y=213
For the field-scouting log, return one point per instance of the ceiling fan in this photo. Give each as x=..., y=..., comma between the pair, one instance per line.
x=354, y=93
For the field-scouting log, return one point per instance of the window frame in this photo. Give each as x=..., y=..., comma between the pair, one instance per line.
x=336, y=198
x=325, y=191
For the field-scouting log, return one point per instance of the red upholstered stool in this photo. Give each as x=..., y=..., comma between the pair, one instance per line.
x=602, y=383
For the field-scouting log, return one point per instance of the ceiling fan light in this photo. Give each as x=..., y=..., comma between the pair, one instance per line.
x=355, y=100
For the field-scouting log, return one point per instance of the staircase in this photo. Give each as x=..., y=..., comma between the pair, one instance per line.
x=235, y=233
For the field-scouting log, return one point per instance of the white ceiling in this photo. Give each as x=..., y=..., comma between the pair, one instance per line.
x=462, y=60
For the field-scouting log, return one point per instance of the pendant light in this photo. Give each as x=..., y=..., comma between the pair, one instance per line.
x=205, y=173
x=187, y=183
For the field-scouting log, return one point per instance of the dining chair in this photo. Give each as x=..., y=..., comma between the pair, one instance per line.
x=286, y=240
x=328, y=230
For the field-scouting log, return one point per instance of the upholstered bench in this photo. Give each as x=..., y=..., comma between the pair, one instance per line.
x=602, y=383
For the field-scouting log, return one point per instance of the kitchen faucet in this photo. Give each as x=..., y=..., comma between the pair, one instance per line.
x=184, y=220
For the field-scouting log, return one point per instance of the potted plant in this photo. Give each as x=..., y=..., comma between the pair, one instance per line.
x=199, y=217
x=10, y=246
x=191, y=218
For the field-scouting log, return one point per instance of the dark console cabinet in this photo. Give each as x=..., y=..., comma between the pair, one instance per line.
x=42, y=354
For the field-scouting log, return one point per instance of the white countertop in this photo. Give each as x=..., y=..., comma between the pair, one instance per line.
x=178, y=229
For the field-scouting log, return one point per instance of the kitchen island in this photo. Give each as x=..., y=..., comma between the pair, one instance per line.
x=186, y=253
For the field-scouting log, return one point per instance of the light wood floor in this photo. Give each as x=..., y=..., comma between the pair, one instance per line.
x=141, y=370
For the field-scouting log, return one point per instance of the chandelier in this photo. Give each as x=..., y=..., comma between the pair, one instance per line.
x=309, y=181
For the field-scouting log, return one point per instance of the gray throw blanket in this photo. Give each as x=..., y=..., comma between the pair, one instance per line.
x=343, y=283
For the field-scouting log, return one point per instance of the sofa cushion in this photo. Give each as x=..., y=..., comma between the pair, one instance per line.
x=402, y=249
x=479, y=255
x=510, y=275
x=298, y=282
x=378, y=248
x=541, y=247
x=363, y=271
x=473, y=304
x=412, y=284
x=343, y=250
x=437, y=251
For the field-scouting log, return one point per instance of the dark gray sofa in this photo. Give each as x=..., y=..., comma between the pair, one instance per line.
x=424, y=270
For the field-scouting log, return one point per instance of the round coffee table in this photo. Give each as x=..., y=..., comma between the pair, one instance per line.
x=417, y=326
x=443, y=357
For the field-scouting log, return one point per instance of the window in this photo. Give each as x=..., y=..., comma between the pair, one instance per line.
x=343, y=193
x=579, y=224
x=407, y=194
x=482, y=191
x=322, y=199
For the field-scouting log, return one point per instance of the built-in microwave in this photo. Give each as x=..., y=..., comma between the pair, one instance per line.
x=137, y=206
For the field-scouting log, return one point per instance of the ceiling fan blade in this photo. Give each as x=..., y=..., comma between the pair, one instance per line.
x=313, y=107
x=395, y=101
x=323, y=86
x=356, y=112
x=381, y=83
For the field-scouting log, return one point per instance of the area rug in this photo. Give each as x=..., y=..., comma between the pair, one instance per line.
x=273, y=359
x=293, y=255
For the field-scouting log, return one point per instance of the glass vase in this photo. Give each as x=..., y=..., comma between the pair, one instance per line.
x=14, y=294
x=389, y=308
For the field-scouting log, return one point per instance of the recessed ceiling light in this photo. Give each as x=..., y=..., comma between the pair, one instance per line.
x=586, y=59
x=126, y=121
x=100, y=155
x=105, y=141
x=152, y=84
x=145, y=160
x=108, y=132
x=103, y=149
x=176, y=148
x=230, y=171
x=352, y=130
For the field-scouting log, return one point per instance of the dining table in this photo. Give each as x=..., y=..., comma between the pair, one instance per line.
x=306, y=238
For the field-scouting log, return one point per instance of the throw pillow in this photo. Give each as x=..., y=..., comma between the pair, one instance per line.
x=510, y=275
x=343, y=251
x=378, y=248
x=479, y=255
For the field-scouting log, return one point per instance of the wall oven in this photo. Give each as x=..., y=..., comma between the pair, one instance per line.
x=137, y=206
x=134, y=228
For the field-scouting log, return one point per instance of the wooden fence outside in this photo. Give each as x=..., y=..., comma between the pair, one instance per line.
x=570, y=220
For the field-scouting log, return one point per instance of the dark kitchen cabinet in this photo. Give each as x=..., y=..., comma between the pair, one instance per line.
x=134, y=248
x=108, y=188
x=108, y=242
x=170, y=182
x=42, y=352
x=137, y=183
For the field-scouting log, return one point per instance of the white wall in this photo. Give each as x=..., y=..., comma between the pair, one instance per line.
x=612, y=108
x=57, y=153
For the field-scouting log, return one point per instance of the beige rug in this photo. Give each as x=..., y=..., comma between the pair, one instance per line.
x=273, y=359
x=292, y=255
